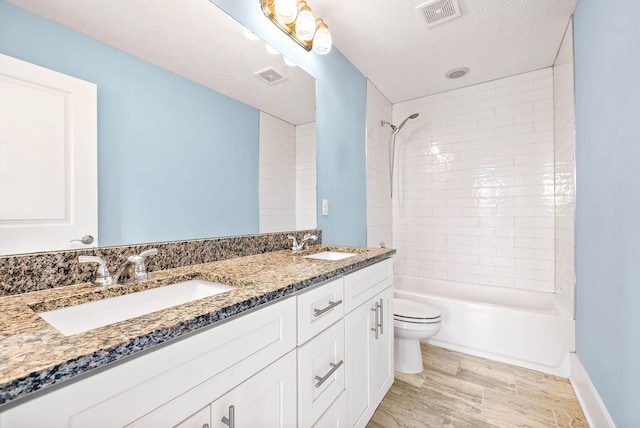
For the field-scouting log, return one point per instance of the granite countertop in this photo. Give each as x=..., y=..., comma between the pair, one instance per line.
x=34, y=355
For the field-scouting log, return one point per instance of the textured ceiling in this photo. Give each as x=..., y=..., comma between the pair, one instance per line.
x=391, y=44
x=387, y=40
x=177, y=36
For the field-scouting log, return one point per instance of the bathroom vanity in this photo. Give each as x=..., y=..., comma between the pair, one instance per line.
x=298, y=342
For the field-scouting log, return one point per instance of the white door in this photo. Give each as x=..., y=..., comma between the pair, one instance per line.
x=48, y=159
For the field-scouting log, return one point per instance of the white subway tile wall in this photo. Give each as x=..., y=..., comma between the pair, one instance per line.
x=277, y=174
x=474, y=184
x=379, y=227
x=564, y=131
x=306, y=176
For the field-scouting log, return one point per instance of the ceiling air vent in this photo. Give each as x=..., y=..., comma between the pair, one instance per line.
x=270, y=76
x=436, y=12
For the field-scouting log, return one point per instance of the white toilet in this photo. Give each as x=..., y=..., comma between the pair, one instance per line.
x=412, y=322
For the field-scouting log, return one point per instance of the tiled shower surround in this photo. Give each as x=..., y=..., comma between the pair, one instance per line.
x=474, y=184
x=39, y=271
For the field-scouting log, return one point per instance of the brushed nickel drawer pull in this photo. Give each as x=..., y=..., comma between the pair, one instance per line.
x=324, y=378
x=318, y=312
x=231, y=420
x=381, y=323
x=376, y=309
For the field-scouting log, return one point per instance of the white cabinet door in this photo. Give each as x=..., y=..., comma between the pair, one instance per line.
x=357, y=337
x=268, y=399
x=336, y=414
x=381, y=373
x=369, y=356
x=48, y=159
x=202, y=419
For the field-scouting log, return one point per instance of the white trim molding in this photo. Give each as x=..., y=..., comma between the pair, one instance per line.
x=591, y=403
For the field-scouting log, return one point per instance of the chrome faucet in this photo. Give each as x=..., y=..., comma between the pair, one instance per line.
x=304, y=243
x=133, y=268
x=102, y=273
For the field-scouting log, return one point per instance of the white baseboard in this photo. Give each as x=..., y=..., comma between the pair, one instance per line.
x=591, y=403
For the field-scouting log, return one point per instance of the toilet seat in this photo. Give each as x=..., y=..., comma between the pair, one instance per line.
x=407, y=311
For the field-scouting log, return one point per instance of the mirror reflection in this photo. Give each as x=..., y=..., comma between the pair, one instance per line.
x=223, y=144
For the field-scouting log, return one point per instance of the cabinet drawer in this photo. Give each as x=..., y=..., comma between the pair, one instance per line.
x=320, y=373
x=362, y=285
x=319, y=308
x=336, y=414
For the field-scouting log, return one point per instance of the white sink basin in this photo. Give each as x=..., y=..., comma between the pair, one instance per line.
x=330, y=255
x=87, y=316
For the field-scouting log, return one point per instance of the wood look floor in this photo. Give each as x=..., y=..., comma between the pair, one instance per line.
x=458, y=390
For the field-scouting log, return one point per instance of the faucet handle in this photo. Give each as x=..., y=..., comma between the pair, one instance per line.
x=102, y=273
x=149, y=252
x=139, y=269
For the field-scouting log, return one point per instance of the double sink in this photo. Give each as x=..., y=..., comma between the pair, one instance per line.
x=88, y=316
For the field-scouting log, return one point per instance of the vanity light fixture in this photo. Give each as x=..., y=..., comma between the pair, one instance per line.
x=295, y=19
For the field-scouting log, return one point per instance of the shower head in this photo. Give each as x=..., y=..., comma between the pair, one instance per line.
x=413, y=116
x=396, y=129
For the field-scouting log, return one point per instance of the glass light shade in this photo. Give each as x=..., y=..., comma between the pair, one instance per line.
x=305, y=23
x=322, y=39
x=286, y=11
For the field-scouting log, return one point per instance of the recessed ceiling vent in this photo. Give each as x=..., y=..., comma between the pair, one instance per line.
x=270, y=76
x=436, y=12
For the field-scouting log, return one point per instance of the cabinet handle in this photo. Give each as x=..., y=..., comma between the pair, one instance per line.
x=324, y=378
x=376, y=324
x=205, y=426
x=381, y=323
x=318, y=312
x=231, y=420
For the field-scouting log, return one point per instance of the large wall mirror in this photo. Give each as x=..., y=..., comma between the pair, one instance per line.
x=227, y=148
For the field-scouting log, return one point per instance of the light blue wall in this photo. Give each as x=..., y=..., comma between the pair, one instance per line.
x=176, y=160
x=607, y=78
x=341, y=126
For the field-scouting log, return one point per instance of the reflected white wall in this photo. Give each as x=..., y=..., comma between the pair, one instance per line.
x=379, y=227
x=564, y=149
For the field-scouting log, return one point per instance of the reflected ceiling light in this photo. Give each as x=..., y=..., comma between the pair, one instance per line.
x=289, y=62
x=271, y=49
x=249, y=34
x=302, y=27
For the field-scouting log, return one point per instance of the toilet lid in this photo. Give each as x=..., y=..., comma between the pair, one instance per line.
x=407, y=310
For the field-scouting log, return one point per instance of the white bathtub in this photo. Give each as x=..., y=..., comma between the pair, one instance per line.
x=523, y=328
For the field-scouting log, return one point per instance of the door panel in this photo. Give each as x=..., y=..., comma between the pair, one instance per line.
x=48, y=159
